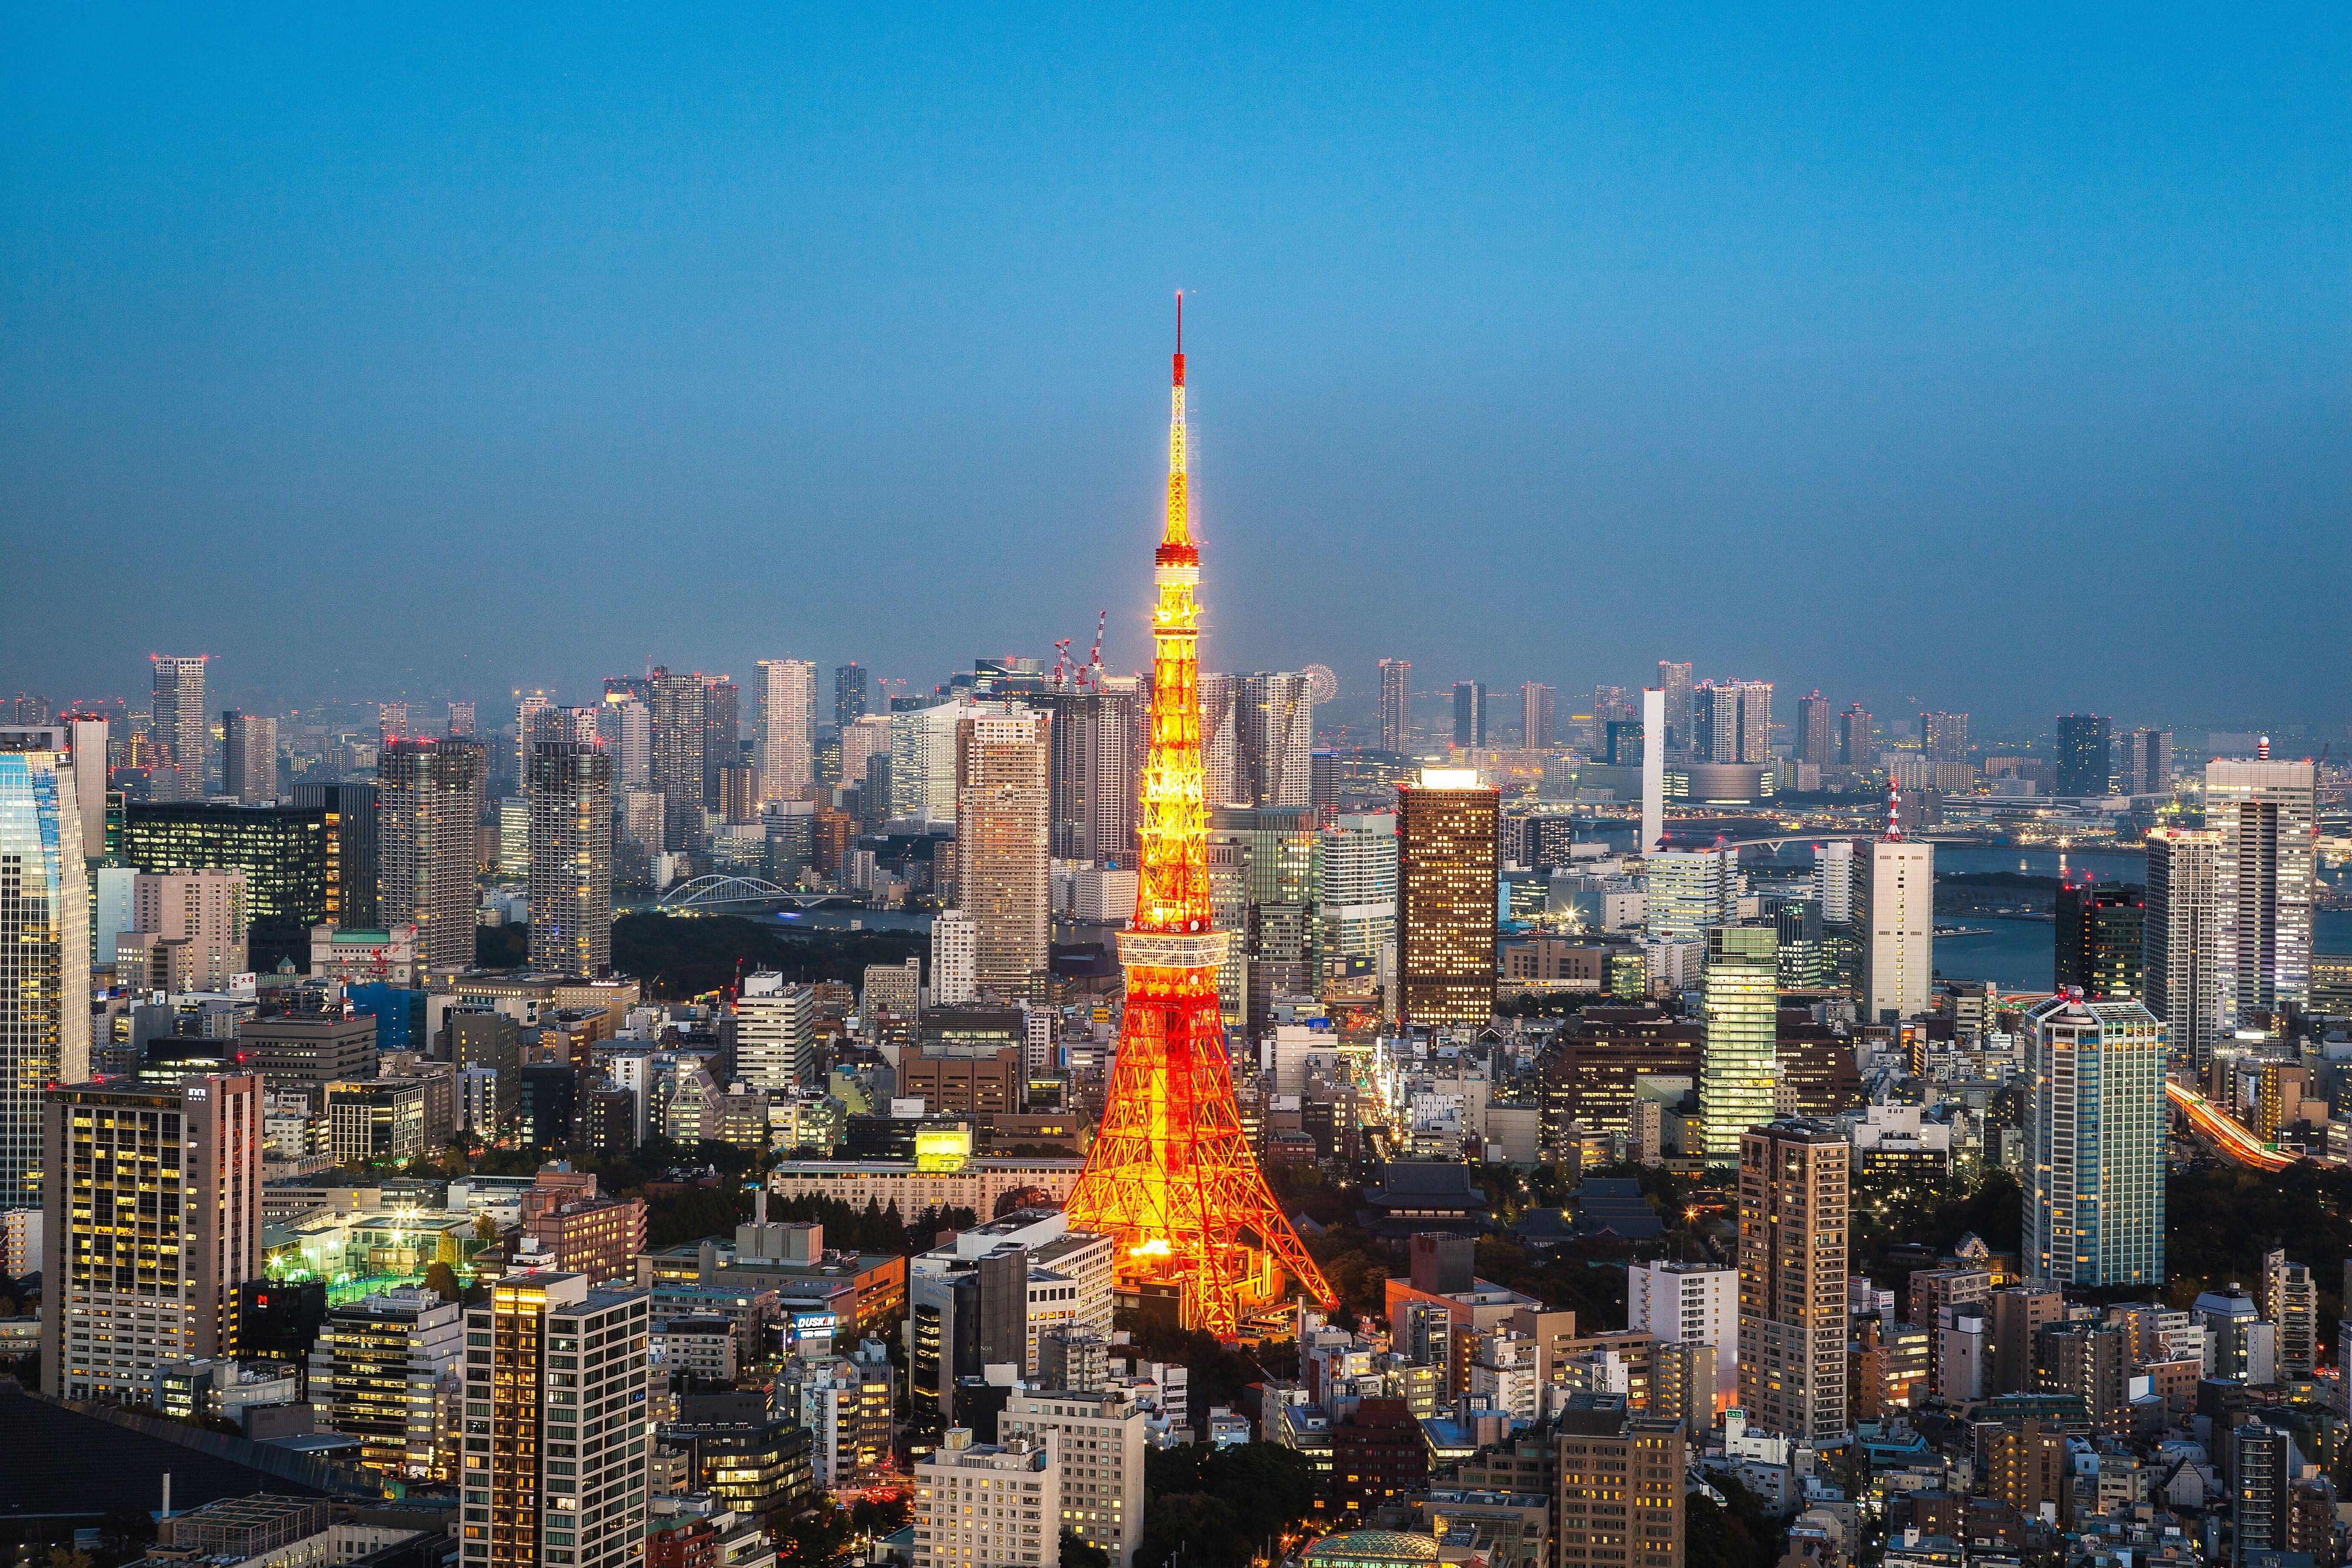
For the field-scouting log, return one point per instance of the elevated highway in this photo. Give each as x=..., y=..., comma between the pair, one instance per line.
x=2227, y=1136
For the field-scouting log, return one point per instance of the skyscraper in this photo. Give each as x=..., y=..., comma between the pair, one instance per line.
x=1731, y=721
x=152, y=1222
x=2085, y=765
x=386, y=1369
x=249, y=755
x=625, y=725
x=776, y=1033
x=44, y=931
x=430, y=801
x=2266, y=813
x=571, y=857
x=723, y=732
x=461, y=718
x=180, y=728
x=2181, y=971
x=677, y=731
x=1262, y=889
x=1093, y=770
x=1816, y=730
x=1469, y=713
x=1855, y=745
x=1740, y=1065
x=2100, y=938
x=1275, y=715
x=1690, y=891
x=1944, y=736
x=1002, y=829
x=1794, y=1208
x=1221, y=739
x=787, y=749
x=2144, y=762
x=559, y=1406
x=1833, y=881
x=528, y=705
x=354, y=860
x=955, y=959
x=1447, y=877
x=1897, y=914
x=1357, y=890
x=1396, y=705
x=1675, y=680
x=849, y=700
x=2095, y=1142
x=1536, y=701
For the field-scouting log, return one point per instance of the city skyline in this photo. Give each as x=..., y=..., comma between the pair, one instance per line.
x=1567, y=288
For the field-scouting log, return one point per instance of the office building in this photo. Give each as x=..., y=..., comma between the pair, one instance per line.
x=187, y=932
x=354, y=870
x=1447, y=880
x=1396, y=705
x=429, y=804
x=387, y=1369
x=2181, y=971
x=379, y=1119
x=1356, y=910
x=850, y=702
x=678, y=705
x=2100, y=934
x=2144, y=762
x=1857, y=742
x=2095, y=1127
x=570, y=857
x=988, y=1503
x=484, y=1040
x=787, y=742
x=2085, y=763
x=1690, y=891
x=2266, y=813
x=1794, y=1213
x=152, y=1219
x=1380, y=1458
x=1469, y=713
x=1620, y=1501
x=1944, y=736
x=296, y=1050
x=1739, y=1070
x=1674, y=681
x=86, y=743
x=181, y=729
x=1896, y=916
x=295, y=876
x=1804, y=948
x=1731, y=721
x=776, y=1033
x=249, y=755
x=44, y=931
x=1536, y=701
x=1002, y=806
x=1683, y=1303
x=1262, y=889
x=554, y=1469
x=1098, y=1438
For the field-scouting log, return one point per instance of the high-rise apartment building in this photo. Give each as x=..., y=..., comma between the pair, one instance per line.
x=571, y=857
x=2085, y=761
x=1833, y=881
x=1356, y=889
x=45, y=932
x=2144, y=762
x=955, y=957
x=1396, y=705
x=151, y=1218
x=554, y=1471
x=1794, y=1208
x=1620, y=1501
x=181, y=727
x=387, y=1369
x=787, y=746
x=850, y=702
x=776, y=1033
x=989, y=1503
x=1447, y=877
x=1003, y=810
x=1857, y=744
x=1897, y=914
x=1816, y=730
x=1739, y=1069
x=2096, y=1127
x=462, y=719
x=187, y=932
x=677, y=705
x=2290, y=1300
x=1276, y=722
x=1675, y=680
x=723, y=732
x=1096, y=777
x=2266, y=813
x=625, y=726
x=2100, y=938
x=249, y=755
x=1536, y=703
x=2181, y=972
x=1262, y=889
x=1731, y=721
x=429, y=806
x=529, y=706
x=1944, y=736
x=1688, y=1303
x=1100, y=1437
x=1469, y=713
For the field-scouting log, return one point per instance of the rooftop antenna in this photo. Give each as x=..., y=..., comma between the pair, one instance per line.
x=1894, y=812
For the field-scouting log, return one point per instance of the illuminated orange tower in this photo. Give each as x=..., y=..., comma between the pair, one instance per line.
x=1170, y=1176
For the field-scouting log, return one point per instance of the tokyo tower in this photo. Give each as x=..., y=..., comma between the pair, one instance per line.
x=1170, y=1176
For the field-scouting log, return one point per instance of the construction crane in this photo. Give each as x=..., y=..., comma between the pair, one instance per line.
x=1094, y=654
x=1061, y=657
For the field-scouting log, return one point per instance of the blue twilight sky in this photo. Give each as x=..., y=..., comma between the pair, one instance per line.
x=1990, y=357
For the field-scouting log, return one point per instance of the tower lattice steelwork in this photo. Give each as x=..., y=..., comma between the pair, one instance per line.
x=1170, y=1176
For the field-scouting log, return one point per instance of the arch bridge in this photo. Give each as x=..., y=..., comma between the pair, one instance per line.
x=726, y=891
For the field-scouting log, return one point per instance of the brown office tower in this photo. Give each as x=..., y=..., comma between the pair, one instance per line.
x=1377, y=1456
x=152, y=1221
x=1003, y=831
x=1447, y=875
x=428, y=810
x=1792, y=1279
x=1620, y=1502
